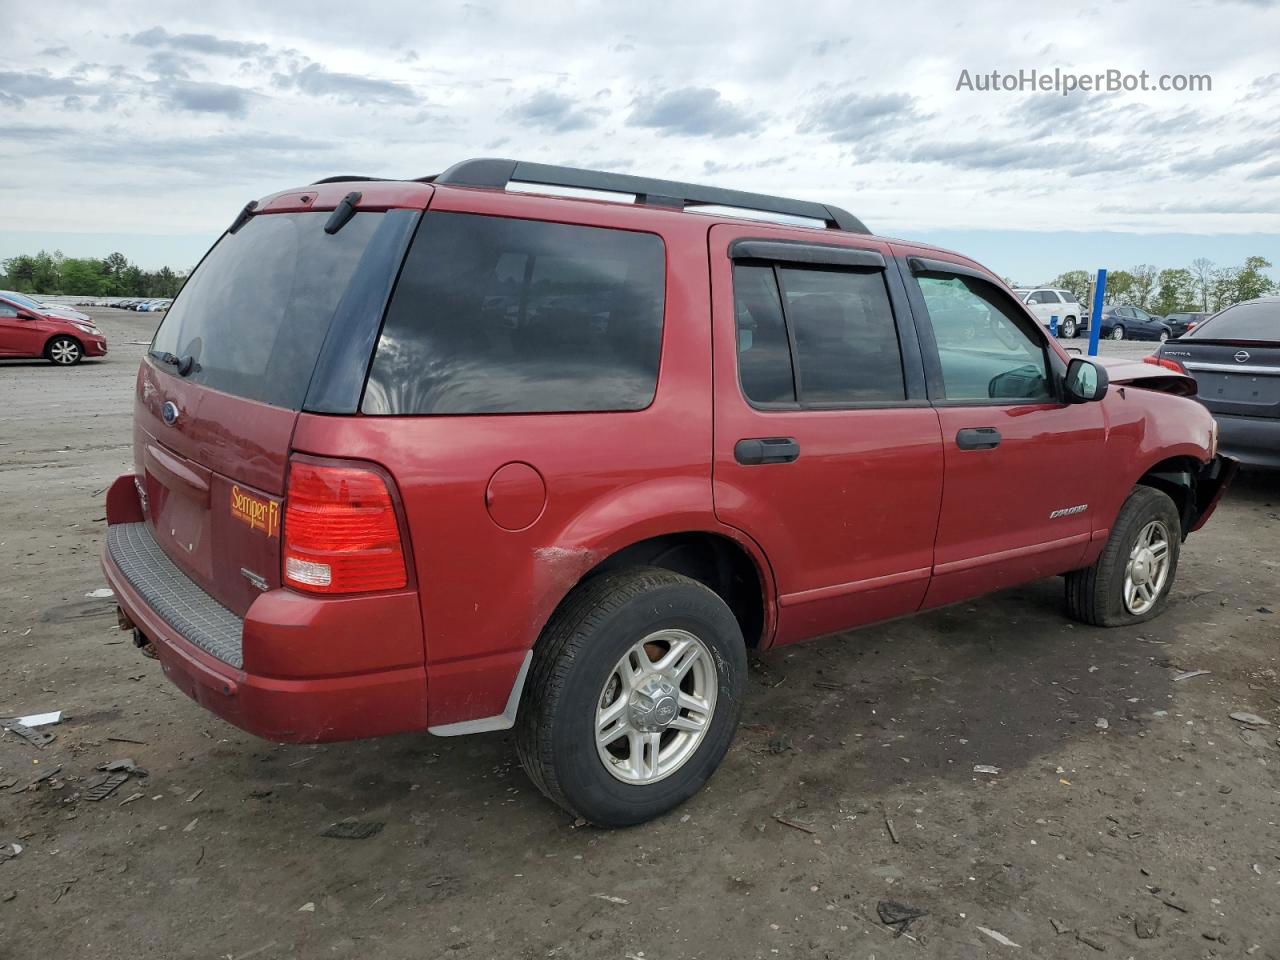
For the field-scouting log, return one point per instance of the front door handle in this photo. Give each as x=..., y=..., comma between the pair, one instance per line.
x=756, y=450
x=978, y=438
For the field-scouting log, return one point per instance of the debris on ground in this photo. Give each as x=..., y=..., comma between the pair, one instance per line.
x=900, y=916
x=106, y=788
x=1102, y=723
x=1146, y=926
x=618, y=900
x=999, y=937
x=32, y=784
x=34, y=720
x=793, y=824
x=37, y=737
x=9, y=850
x=125, y=765
x=353, y=829
x=307, y=907
x=779, y=745
x=102, y=593
x=1251, y=719
x=1188, y=674
x=1090, y=942
x=985, y=768
x=194, y=794
x=893, y=834
x=1060, y=928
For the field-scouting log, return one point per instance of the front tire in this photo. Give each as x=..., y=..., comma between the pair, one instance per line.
x=1117, y=333
x=64, y=351
x=1131, y=580
x=633, y=696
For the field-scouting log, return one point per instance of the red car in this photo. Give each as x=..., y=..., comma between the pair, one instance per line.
x=27, y=329
x=432, y=455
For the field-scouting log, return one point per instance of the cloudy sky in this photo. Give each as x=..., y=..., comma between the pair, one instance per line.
x=145, y=127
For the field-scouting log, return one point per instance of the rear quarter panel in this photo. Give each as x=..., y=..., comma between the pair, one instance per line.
x=611, y=479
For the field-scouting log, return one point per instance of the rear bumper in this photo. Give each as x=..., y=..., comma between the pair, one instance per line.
x=1254, y=441
x=288, y=631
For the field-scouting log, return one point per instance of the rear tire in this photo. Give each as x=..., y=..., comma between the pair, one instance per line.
x=588, y=682
x=1131, y=580
x=64, y=351
x=1117, y=333
x=1069, y=328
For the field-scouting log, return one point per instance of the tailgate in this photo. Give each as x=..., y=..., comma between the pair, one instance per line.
x=282, y=311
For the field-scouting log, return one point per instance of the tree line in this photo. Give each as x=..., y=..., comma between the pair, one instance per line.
x=113, y=276
x=1202, y=287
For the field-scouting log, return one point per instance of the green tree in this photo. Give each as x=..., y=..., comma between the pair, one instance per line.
x=81, y=277
x=1177, y=291
x=1144, y=284
x=1077, y=281
x=1120, y=288
x=1202, y=270
x=1251, y=282
x=1222, y=287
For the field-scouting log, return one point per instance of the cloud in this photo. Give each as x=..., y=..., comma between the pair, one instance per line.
x=314, y=80
x=1269, y=172
x=61, y=50
x=205, y=43
x=16, y=87
x=551, y=111
x=854, y=117
x=208, y=98
x=1226, y=157
x=166, y=63
x=693, y=112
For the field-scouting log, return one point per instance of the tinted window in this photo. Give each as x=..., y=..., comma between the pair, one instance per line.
x=20, y=299
x=1259, y=320
x=986, y=350
x=764, y=352
x=494, y=315
x=6, y=310
x=846, y=342
x=255, y=312
x=1043, y=296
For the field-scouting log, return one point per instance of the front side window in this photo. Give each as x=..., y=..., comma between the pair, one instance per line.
x=824, y=335
x=986, y=349
x=496, y=315
x=7, y=311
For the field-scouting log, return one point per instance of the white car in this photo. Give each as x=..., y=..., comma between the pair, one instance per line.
x=1047, y=302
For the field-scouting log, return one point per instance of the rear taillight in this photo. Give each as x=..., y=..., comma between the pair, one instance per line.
x=1165, y=362
x=340, y=531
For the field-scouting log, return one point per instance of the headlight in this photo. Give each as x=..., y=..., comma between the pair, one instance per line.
x=86, y=327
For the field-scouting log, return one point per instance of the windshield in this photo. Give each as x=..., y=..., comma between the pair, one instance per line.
x=22, y=299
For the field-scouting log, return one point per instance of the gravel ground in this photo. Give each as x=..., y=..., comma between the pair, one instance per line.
x=1130, y=815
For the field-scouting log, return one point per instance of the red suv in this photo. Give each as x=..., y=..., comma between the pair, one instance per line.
x=437, y=455
x=29, y=329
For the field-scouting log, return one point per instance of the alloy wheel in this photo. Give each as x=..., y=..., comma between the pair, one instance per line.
x=65, y=352
x=656, y=707
x=1147, y=571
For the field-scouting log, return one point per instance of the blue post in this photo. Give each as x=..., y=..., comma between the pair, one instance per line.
x=1053, y=325
x=1095, y=318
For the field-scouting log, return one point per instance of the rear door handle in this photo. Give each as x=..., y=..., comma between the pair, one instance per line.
x=756, y=450
x=978, y=438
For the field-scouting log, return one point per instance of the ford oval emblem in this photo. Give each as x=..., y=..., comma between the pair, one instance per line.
x=169, y=412
x=1242, y=356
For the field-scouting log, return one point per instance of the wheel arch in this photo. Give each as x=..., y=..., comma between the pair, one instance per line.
x=59, y=336
x=1178, y=478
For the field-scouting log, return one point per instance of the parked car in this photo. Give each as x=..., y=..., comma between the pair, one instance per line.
x=1133, y=323
x=40, y=306
x=1047, y=303
x=1180, y=323
x=1235, y=357
x=369, y=497
x=36, y=331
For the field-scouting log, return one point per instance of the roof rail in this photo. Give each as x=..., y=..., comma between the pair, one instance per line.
x=495, y=173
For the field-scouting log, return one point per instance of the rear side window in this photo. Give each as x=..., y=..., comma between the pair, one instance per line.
x=828, y=334
x=1244, y=321
x=495, y=315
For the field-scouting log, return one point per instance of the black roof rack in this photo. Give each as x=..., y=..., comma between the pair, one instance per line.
x=489, y=172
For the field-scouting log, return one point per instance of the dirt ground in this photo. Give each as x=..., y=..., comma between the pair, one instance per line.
x=1150, y=835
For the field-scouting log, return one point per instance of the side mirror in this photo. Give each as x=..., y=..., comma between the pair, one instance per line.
x=26, y=315
x=1085, y=381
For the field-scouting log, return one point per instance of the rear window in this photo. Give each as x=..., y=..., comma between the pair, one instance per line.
x=255, y=313
x=1259, y=320
x=495, y=315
